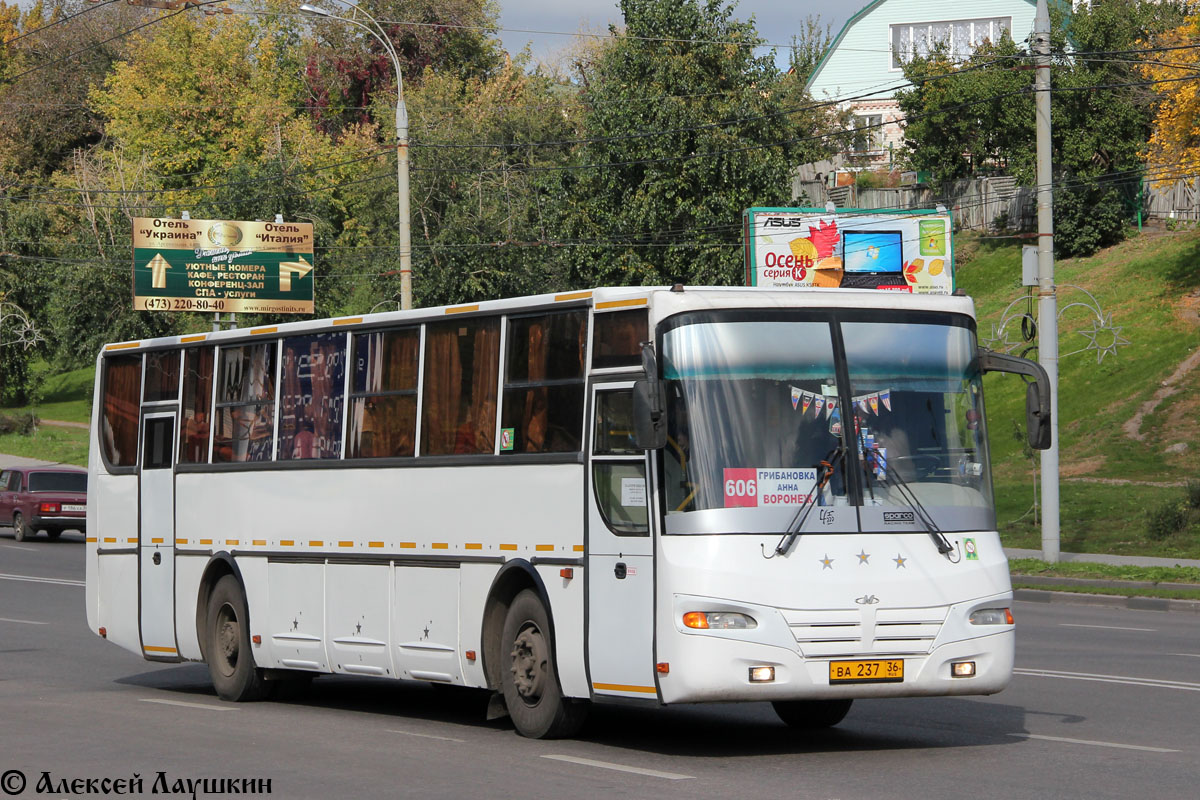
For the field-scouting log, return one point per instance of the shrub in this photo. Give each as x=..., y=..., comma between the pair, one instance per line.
x=24, y=424
x=1166, y=519
x=1192, y=488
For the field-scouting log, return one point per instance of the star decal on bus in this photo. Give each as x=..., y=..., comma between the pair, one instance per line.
x=863, y=556
x=827, y=562
x=899, y=561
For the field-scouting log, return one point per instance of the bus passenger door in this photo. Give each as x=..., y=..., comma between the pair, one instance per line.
x=156, y=539
x=620, y=560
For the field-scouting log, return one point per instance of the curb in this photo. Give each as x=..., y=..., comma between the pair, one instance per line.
x=1107, y=600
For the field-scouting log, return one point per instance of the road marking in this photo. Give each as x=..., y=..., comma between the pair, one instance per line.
x=35, y=579
x=1187, y=655
x=1107, y=627
x=1087, y=676
x=427, y=736
x=23, y=621
x=1096, y=744
x=205, y=706
x=653, y=773
x=18, y=547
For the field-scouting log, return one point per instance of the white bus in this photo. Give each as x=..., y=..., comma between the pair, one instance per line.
x=664, y=495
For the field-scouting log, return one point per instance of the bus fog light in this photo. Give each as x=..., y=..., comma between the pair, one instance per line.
x=762, y=674
x=723, y=620
x=991, y=616
x=962, y=669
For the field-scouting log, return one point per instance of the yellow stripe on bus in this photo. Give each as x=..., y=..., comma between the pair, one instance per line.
x=508, y=547
x=286, y=542
x=191, y=339
x=474, y=546
x=375, y=544
x=345, y=544
x=123, y=346
x=635, y=301
x=440, y=546
x=348, y=321
x=206, y=541
x=181, y=541
x=544, y=547
x=258, y=331
x=408, y=545
x=559, y=298
x=621, y=687
x=232, y=542
x=260, y=542
x=153, y=649
x=316, y=543
x=462, y=309
x=156, y=540
x=578, y=548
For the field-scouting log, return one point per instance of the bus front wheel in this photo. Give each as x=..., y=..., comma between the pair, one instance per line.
x=529, y=679
x=812, y=715
x=230, y=661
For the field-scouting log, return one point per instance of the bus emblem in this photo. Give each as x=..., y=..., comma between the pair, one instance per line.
x=867, y=600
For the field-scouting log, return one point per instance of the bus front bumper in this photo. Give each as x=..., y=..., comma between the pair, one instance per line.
x=706, y=668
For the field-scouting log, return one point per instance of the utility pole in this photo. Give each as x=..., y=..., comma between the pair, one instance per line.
x=1047, y=297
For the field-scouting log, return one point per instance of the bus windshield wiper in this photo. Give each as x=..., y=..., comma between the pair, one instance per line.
x=910, y=497
x=824, y=474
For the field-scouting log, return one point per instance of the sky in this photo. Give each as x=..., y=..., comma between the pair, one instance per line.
x=776, y=20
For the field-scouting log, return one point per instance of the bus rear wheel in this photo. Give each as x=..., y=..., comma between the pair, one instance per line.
x=812, y=715
x=529, y=678
x=230, y=660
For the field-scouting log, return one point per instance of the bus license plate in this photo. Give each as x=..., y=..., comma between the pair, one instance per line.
x=889, y=670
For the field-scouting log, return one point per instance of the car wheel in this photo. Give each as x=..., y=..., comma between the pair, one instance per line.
x=812, y=715
x=20, y=530
x=529, y=677
x=230, y=659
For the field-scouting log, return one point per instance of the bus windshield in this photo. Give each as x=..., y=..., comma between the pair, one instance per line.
x=759, y=426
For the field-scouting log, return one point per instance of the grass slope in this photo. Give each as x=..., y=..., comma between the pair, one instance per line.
x=1148, y=286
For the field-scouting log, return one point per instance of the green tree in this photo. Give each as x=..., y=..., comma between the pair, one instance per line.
x=688, y=125
x=972, y=119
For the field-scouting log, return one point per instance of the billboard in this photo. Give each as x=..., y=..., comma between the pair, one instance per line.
x=222, y=266
x=905, y=251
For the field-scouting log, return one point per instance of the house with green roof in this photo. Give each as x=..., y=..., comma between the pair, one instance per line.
x=863, y=67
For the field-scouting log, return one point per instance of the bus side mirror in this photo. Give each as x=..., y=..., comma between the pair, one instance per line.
x=649, y=421
x=649, y=405
x=1037, y=393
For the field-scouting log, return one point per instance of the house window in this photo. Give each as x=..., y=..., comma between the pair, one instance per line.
x=959, y=37
x=868, y=133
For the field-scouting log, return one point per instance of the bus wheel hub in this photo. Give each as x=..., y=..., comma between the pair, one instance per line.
x=529, y=664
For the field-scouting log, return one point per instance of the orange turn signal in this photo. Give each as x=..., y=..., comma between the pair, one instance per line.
x=695, y=619
x=662, y=668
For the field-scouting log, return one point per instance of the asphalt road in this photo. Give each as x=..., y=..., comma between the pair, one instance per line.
x=1106, y=703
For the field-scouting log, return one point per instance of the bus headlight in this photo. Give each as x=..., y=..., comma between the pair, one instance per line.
x=722, y=620
x=991, y=616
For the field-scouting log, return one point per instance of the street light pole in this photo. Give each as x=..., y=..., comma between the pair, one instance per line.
x=405, y=227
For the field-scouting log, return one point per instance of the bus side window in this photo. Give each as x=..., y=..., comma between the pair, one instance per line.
x=310, y=399
x=119, y=421
x=618, y=467
x=543, y=383
x=618, y=337
x=383, y=394
x=197, y=399
x=462, y=359
x=244, y=425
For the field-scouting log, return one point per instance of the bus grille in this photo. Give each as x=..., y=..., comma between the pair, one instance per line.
x=829, y=633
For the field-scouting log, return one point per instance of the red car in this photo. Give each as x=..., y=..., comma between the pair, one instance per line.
x=52, y=499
